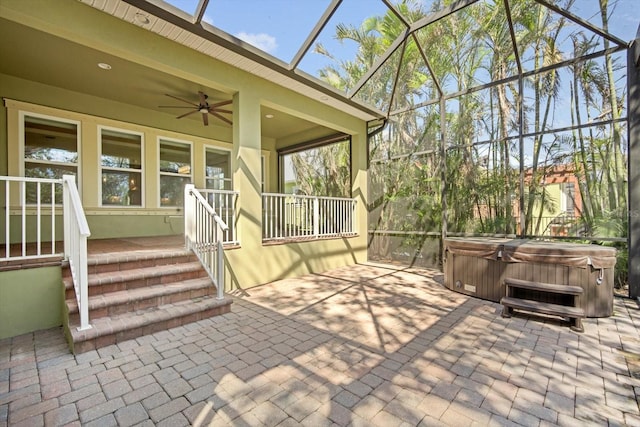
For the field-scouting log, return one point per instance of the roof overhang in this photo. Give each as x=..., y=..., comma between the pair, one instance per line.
x=179, y=27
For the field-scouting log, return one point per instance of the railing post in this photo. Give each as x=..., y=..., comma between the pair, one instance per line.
x=189, y=213
x=316, y=217
x=76, y=231
x=220, y=269
x=354, y=216
x=66, y=216
x=84, y=280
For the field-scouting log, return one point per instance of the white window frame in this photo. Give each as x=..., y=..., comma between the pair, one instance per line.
x=220, y=149
x=102, y=168
x=22, y=114
x=162, y=139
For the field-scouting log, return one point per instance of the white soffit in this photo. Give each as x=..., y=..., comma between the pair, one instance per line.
x=129, y=13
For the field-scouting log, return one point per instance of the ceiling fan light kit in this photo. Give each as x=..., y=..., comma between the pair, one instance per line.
x=203, y=107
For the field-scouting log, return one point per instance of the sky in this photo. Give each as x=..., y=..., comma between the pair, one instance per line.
x=279, y=27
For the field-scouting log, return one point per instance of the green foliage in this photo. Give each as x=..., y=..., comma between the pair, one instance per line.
x=482, y=187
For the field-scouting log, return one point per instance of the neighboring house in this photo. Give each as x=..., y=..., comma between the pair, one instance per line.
x=562, y=206
x=81, y=92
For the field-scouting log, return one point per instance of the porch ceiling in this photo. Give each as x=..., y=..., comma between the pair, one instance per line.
x=54, y=61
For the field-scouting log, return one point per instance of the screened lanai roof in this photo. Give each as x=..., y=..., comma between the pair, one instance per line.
x=323, y=48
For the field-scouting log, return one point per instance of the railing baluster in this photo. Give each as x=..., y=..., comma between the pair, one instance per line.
x=209, y=230
x=290, y=216
x=53, y=218
x=7, y=220
x=38, y=222
x=23, y=203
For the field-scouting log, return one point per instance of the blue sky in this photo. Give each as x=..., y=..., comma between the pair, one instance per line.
x=279, y=27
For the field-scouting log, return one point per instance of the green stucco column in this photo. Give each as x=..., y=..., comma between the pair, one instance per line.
x=247, y=167
x=359, y=183
x=633, y=85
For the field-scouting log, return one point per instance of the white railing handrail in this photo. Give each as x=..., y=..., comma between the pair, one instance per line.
x=304, y=196
x=213, y=191
x=203, y=231
x=209, y=209
x=76, y=231
x=30, y=179
x=76, y=205
x=223, y=203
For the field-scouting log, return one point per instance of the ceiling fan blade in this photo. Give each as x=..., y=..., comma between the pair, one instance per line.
x=220, y=104
x=218, y=110
x=180, y=99
x=187, y=114
x=224, y=119
x=174, y=106
x=205, y=119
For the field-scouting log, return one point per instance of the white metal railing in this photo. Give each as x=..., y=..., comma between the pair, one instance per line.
x=33, y=221
x=203, y=233
x=223, y=203
x=289, y=216
x=76, y=231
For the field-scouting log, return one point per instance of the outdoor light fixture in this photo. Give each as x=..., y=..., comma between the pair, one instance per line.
x=104, y=65
x=142, y=18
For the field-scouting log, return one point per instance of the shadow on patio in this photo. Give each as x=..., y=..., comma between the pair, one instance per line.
x=365, y=345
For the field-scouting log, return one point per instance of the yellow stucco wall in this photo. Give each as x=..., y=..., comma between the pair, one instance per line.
x=252, y=263
x=30, y=300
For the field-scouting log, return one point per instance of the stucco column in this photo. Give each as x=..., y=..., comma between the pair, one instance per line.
x=246, y=166
x=359, y=189
x=633, y=108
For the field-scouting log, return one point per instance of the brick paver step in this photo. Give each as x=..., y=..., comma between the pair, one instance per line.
x=110, y=330
x=140, y=277
x=135, y=299
x=117, y=261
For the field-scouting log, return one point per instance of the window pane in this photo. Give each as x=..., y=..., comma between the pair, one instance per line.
x=218, y=169
x=32, y=170
x=175, y=157
x=50, y=140
x=172, y=190
x=121, y=188
x=121, y=150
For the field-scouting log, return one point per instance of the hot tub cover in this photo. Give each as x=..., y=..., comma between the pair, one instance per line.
x=487, y=248
x=569, y=254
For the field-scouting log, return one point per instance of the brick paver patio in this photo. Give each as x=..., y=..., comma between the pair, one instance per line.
x=371, y=345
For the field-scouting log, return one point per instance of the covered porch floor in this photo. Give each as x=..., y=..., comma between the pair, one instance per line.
x=367, y=345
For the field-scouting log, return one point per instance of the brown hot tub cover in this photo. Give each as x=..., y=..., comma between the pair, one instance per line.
x=568, y=254
x=476, y=247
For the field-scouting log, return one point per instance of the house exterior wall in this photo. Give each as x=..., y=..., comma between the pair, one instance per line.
x=30, y=300
x=107, y=222
x=252, y=263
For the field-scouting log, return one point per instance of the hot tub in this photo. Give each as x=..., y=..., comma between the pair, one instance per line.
x=473, y=266
x=478, y=267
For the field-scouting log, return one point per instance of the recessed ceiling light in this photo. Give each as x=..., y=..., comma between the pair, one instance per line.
x=104, y=65
x=269, y=116
x=141, y=18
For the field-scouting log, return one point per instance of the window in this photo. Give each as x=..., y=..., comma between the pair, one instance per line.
x=218, y=169
x=50, y=151
x=175, y=172
x=568, y=198
x=121, y=162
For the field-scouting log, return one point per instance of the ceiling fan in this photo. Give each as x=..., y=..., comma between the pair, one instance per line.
x=203, y=107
